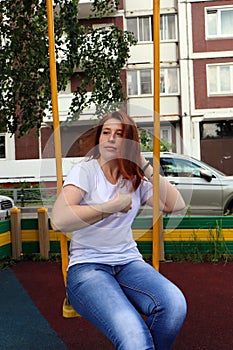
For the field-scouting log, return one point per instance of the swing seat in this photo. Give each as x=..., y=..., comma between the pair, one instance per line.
x=68, y=311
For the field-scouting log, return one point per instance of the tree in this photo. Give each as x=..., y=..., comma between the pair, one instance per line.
x=146, y=141
x=96, y=57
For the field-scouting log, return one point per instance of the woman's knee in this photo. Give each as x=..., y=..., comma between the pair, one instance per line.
x=176, y=305
x=134, y=337
x=170, y=302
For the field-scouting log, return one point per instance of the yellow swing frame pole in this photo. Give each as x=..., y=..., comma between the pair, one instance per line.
x=156, y=138
x=56, y=123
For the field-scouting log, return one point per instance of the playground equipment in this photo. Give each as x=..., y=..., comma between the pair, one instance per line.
x=67, y=309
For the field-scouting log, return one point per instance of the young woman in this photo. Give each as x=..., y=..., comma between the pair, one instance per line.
x=108, y=281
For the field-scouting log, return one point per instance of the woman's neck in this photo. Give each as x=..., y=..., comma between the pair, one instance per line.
x=110, y=170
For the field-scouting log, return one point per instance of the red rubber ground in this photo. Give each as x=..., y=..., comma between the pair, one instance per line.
x=208, y=289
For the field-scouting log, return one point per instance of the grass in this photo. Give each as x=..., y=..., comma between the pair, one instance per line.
x=213, y=250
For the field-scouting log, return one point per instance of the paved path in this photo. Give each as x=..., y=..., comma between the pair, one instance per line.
x=34, y=292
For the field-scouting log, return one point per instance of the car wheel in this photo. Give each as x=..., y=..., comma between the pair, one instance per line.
x=229, y=209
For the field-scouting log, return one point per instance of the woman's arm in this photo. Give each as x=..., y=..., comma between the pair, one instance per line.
x=170, y=199
x=68, y=215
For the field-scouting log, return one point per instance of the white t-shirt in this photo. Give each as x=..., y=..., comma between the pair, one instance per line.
x=109, y=241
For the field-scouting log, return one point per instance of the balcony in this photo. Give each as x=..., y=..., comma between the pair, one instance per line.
x=64, y=102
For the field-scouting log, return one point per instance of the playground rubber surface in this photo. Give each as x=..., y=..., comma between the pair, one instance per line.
x=32, y=293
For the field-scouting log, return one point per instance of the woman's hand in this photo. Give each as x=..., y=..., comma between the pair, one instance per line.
x=122, y=203
x=68, y=215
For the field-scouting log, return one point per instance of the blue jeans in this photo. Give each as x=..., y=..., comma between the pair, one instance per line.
x=114, y=297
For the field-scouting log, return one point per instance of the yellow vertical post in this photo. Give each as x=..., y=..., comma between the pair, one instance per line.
x=43, y=231
x=156, y=140
x=56, y=122
x=16, y=237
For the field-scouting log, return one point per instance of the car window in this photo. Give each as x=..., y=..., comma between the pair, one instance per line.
x=180, y=168
x=168, y=167
x=162, y=169
x=187, y=168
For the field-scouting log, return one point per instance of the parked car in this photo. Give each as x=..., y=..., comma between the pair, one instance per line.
x=206, y=190
x=6, y=204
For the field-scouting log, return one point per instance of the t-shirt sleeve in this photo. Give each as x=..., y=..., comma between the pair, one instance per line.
x=78, y=176
x=146, y=189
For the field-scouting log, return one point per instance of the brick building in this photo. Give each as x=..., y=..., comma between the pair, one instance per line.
x=196, y=87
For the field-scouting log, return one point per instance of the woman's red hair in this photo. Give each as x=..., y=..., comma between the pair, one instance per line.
x=130, y=155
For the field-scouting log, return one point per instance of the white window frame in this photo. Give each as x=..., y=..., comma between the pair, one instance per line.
x=138, y=77
x=166, y=129
x=3, y=135
x=218, y=10
x=218, y=91
x=150, y=34
x=164, y=19
x=166, y=79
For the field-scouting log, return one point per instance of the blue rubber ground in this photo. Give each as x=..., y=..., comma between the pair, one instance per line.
x=21, y=324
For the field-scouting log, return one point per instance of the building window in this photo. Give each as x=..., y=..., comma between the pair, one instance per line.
x=141, y=27
x=2, y=146
x=220, y=79
x=166, y=134
x=168, y=27
x=139, y=82
x=169, y=82
x=219, y=22
x=216, y=130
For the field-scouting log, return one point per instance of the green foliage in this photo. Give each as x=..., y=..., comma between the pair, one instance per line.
x=146, y=140
x=165, y=146
x=214, y=249
x=6, y=263
x=228, y=212
x=23, y=65
x=31, y=193
x=103, y=8
x=24, y=61
x=102, y=67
